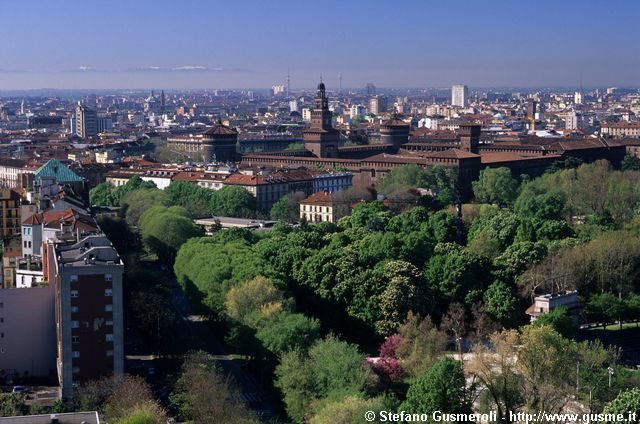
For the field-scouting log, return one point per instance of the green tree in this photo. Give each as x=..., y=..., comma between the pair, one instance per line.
x=454, y=273
x=134, y=183
x=630, y=163
x=349, y=410
x=441, y=388
x=493, y=231
x=102, y=195
x=137, y=202
x=501, y=303
x=559, y=319
x=191, y=196
x=330, y=367
x=280, y=210
x=287, y=331
x=164, y=230
x=203, y=394
x=233, y=201
x=372, y=215
x=605, y=308
x=421, y=345
x=12, y=404
x=405, y=291
x=626, y=402
x=546, y=361
x=496, y=185
x=254, y=300
x=207, y=267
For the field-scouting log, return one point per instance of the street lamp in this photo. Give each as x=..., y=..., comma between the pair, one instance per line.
x=610, y=370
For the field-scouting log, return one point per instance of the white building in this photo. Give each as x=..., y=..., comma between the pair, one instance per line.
x=577, y=98
x=575, y=121
x=459, y=95
x=357, y=111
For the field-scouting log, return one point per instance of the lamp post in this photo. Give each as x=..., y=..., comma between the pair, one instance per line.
x=610, y=370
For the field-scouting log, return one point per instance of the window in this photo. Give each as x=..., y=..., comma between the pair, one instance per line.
x=109, y=352
x=75, y=293
x=75, y=370
x=109, y=337
x=75, y=324
x=108, y=292
x=75, y=339
x=73, y=278
x=75, y=309
x=108, y=308
x=75, y=354
x=108, y=277
x=109, y=323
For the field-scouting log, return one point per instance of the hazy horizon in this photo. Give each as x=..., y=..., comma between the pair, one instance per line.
x=147, y=44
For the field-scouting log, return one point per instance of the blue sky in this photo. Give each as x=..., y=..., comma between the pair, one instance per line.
x=252, y=43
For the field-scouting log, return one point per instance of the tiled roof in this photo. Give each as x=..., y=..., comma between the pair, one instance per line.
x=452, y=154
x=220, y=129
x=323, y=198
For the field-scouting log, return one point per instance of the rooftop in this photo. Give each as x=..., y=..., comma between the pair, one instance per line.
x=55, y=168
x=90, y=251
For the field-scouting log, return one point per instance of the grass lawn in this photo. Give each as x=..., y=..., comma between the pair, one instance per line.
x=616, y=327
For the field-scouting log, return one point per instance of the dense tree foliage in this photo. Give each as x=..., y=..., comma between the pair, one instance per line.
x=233, y=201
x=106, y=194
x=164, y=230
x=331, y=368
x=496, y=185
x=203, y=394
x=195, y=199
x=441, y=388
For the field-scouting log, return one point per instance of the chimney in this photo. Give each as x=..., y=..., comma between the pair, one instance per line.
x=470, y=137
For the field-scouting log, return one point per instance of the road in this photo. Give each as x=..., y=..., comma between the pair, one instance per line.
x=200, y=335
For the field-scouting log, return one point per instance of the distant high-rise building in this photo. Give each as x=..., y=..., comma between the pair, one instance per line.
x=293, y=105
x=378, y=104
x=104, y=123
x=459, y=95
x=278, y=89
x=370, y=88
x=577, y=98
x=86, y=122
x=575, y=121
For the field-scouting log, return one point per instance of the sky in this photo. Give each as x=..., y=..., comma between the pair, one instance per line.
x=120, y=44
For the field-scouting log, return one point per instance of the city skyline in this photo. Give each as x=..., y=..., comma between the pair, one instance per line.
x=253, y=45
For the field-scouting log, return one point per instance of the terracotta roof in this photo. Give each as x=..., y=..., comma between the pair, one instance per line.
x=453, y=154
x=395, y=122
x=220, y=129
x=323, y=198
x=496, y=157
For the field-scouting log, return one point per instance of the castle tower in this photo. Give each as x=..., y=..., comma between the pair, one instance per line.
x=470, y=137
x=219, y=144
x=395, y=131
x=321, y=138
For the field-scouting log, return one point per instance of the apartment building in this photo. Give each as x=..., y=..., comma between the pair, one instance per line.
x=87, y=280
